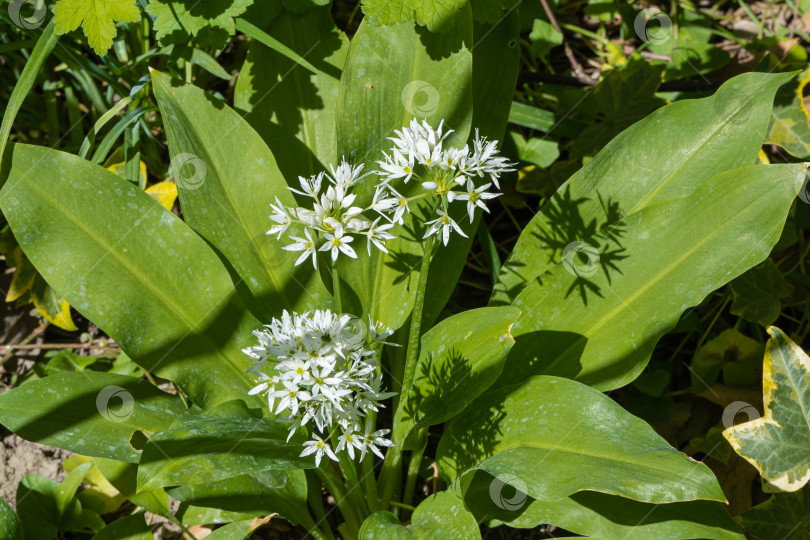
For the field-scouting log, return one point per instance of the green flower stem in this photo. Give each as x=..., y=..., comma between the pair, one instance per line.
x=336, y=289
x=355, y=493
x=315, y=500
x=414, y=466
x=370, y=482
x=334, y=484
x=393, y=459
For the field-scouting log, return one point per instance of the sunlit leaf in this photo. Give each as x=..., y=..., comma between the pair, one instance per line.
x=778, y=443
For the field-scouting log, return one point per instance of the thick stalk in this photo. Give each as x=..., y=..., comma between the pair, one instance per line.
x=393, y=459
x=336, y=289
x=370, y=482
x=413, y=467
x=355, y=492
x=334, y=484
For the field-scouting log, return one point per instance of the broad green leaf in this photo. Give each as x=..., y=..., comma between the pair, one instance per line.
x=67, y=489
x=36, y=506
x=88, y=412
x=291, y=108
x=96, y=17
x=124, y=477
x=124, y=262
x=393, y=74
x=45, y=506
x=790, y=125
x=211, y=22
x=257, y=494
x=601, y=515
x=226, y=197
x=398, y=72
x=238, y=530
x=459, y=359
x=735, y=355
x=684, y=144
x=210, y=448
x=551, y=437
x=597, y=320
x=98, y=487
x=10, y=526
x=784, y=515
x=758, y=293
x=439, y=516
x=132, y=527
x=778, y=444
x=437, y=15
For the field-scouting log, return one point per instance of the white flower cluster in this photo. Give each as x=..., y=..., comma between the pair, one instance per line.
x=333, y=219
x=418, y=152
x=323, y=368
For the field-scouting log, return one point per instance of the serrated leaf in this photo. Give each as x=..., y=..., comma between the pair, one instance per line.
x=778, y=444
x=96, y=17
x=439, y=516
x=784, y=515
x=435, y=14
x=211, y=22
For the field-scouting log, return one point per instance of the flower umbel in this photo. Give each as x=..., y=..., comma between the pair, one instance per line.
x=322, y=370
x=419, y=152
x=334, y=221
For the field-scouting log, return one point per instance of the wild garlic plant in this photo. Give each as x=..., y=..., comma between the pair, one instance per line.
x=323, y=371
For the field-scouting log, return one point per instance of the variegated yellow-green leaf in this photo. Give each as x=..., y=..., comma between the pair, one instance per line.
x=790, y=126
x=96, y=17
x=164, y=192
x=778, y=444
